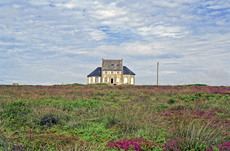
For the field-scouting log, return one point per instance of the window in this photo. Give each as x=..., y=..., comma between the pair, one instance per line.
x=96, y=80
x=118, y=65
x=118, y=72
x=118, y=80
x=131, y=80
x=112, y=64
x=105, y=72
x=125, y=80
x=111, y=72
x=89, y=79
x=105, y=79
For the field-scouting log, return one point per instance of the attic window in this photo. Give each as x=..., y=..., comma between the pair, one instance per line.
x=118, y=65
x=112, y=64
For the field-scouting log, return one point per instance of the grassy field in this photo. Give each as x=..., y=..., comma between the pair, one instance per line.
x=100, y=117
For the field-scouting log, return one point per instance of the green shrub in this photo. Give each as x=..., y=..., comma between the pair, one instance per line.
x=48, y=120
x=74, y=84
x=196, y=85
x=101, y=93
x=5, y=96
x=172, y=101
x=13, y=109
x=98, y=84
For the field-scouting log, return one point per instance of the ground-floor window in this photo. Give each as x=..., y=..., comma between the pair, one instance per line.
x=125, y=80
x=131, y=80
x=105, y=79
x=96, y=80
x=89, y=79
x=118, y=80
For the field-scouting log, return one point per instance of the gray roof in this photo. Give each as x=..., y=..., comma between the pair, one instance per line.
x=96, y=72
x=127, y=71
x=112, y=65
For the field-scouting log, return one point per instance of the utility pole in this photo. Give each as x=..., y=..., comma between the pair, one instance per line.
x=157, y=71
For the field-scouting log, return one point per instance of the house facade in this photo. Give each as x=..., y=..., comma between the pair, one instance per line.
x=111, y=72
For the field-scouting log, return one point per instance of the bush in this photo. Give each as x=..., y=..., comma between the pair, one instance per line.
x=199, y=85
x=99, y=84
x=48, y=120
x=172, y=101
x=74, y=84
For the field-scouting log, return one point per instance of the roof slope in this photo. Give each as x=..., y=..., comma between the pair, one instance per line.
x=112, y=65
x=96, y=72
x=127, y=71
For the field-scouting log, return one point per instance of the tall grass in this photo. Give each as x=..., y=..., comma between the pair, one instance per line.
x=89, y=117
x=196, y=134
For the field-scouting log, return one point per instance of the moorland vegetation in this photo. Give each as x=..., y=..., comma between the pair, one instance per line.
x=100, y=117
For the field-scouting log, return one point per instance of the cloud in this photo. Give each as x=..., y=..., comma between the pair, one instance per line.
x=111, y=11
x=168, y=72
x=128, y=48
x=164, y=31
x=97, y=35
x=189, y=38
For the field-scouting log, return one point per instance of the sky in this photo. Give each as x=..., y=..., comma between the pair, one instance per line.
x=45, y=42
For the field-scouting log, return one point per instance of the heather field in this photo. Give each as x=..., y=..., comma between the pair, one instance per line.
x=101, y=117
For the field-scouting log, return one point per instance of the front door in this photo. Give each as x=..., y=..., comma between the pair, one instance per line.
x=111, y=80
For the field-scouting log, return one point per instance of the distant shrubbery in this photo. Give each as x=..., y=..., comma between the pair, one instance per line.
x=74, y=84
x=199, y=85
x=100, y=84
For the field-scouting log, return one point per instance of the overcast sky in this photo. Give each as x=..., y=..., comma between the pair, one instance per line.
x=45, y=42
